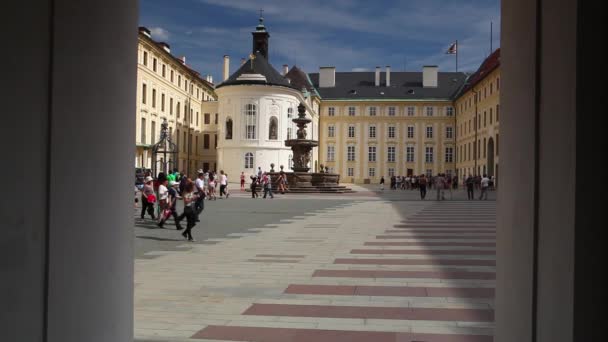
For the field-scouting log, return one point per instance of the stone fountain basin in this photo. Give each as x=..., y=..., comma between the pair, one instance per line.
x=301, y=142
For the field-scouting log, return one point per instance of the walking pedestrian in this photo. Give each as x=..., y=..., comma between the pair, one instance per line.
x=470, y=184
x=281, y=182
x=485, y=184
x=163, y=200
x=266, y=181
x=211, y=187
x=254, y=186
x=382, y=183
x=242, y=181
x=171, y=208
x=189, y=210
x=422, y=185
x=440, y=186
x=199, y=185
x=223, y=183
x=148, y=198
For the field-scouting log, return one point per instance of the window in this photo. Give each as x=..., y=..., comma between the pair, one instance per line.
x=179, y=80
x=497, y=83
x=428, y=157
x=372, y=132
x=289, y=113
x=491, y=109
x=391, y=132
x=143, y=131
x=177, y=109
x=449, y=132
x=371, y=172
x=449, y=154
x=429, y=132
x=410, y=131
x=350, y=172
x=409, y=154
x=184, y=141
x=371, y=153
x=228, y=128
x=273, y=128
x=497, y=110
x=485, y=116
x=207, y=118
x=331, y=153
x=206, y=141
x=216, y=118
x=153, y=132
x=491, y=88
x=484, y=147
x=351, y=111
x=196, y=144
x=289, y=130
x=162, y=102
x=496, y=147
x=249, y=160
x=171, y=75
x=411, y=111
x=351, y=131
x=350, y=153
x=146, y=58
x=154, y=64
x=391, y=111
x=331, y=111
x=429, y=111
x=372, y=111
x=391, y=154
x=185, y=84
x=153, y=98
x=250, y=121
x=164, y=70
x=449, y=111
x=331, y=131
x=170, y=106
x=391, y=171
x=144, y=93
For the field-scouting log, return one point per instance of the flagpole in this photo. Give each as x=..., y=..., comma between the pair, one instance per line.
x=456, y=55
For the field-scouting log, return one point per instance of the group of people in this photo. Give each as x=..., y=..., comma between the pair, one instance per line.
x=441, y=183
x=164, y=192
x=264, y=180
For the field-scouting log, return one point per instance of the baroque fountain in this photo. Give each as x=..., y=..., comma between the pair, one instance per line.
x=301, y=180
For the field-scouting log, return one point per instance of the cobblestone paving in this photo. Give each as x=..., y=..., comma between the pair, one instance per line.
x=316, y=268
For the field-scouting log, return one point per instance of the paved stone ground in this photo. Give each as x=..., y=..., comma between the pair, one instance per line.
x=370, y=266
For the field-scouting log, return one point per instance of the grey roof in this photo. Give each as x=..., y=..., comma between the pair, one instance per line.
x=404, y=86
x=260, y=66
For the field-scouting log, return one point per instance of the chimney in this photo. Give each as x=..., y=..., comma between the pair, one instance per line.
x=243, y=60
x=285, y=69
x=388, y=75
x=327, y=77
x=183, y=59
x=165, y=47
x=429, y=76
x=226, y=67
x=211, y=79
x=144, y=30
x=377, y=83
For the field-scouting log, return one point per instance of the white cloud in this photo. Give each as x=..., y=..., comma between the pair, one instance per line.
x=360, y=69
x=159, y=33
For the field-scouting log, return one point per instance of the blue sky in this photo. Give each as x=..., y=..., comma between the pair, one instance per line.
x=348, y=34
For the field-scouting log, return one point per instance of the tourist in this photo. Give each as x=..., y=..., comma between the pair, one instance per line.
x=189, y=210
x=440, y=186
x=163, y=200
x=199, y=184
x=267, y=182
x=226, y=188
x=422, y=185
x=148, y=198
x=485, y=184
x=242, y=181
x=281, y=181
x=223, y=182
x=254, y=186
x=171, y=208
x=382, y=183
x=211, y=187
x=259, y=172
x=470, y=183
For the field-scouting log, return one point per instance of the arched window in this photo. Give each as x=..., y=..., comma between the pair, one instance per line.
x=289, y=113
x=248, y=160
x=250, y=121
x=273, y=128
x=228, y=128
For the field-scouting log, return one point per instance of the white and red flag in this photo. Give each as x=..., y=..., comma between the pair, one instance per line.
x=453, y=49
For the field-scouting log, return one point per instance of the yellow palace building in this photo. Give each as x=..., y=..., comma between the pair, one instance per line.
x=477, y=120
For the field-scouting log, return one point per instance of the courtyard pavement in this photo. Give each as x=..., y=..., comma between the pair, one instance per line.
x=369, y=266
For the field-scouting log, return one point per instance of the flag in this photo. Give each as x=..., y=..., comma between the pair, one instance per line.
x=453, y=49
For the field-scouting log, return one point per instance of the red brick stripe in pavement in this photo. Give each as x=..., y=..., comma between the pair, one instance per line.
x=443, y=237
x=447, y=226
x=423, y=251
x=371, y=312
x=400, y=291
x=405, y=274
x=429, y=243
x=434, y=233
x=259, y=334
x=437, y=262
x=449, y=231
